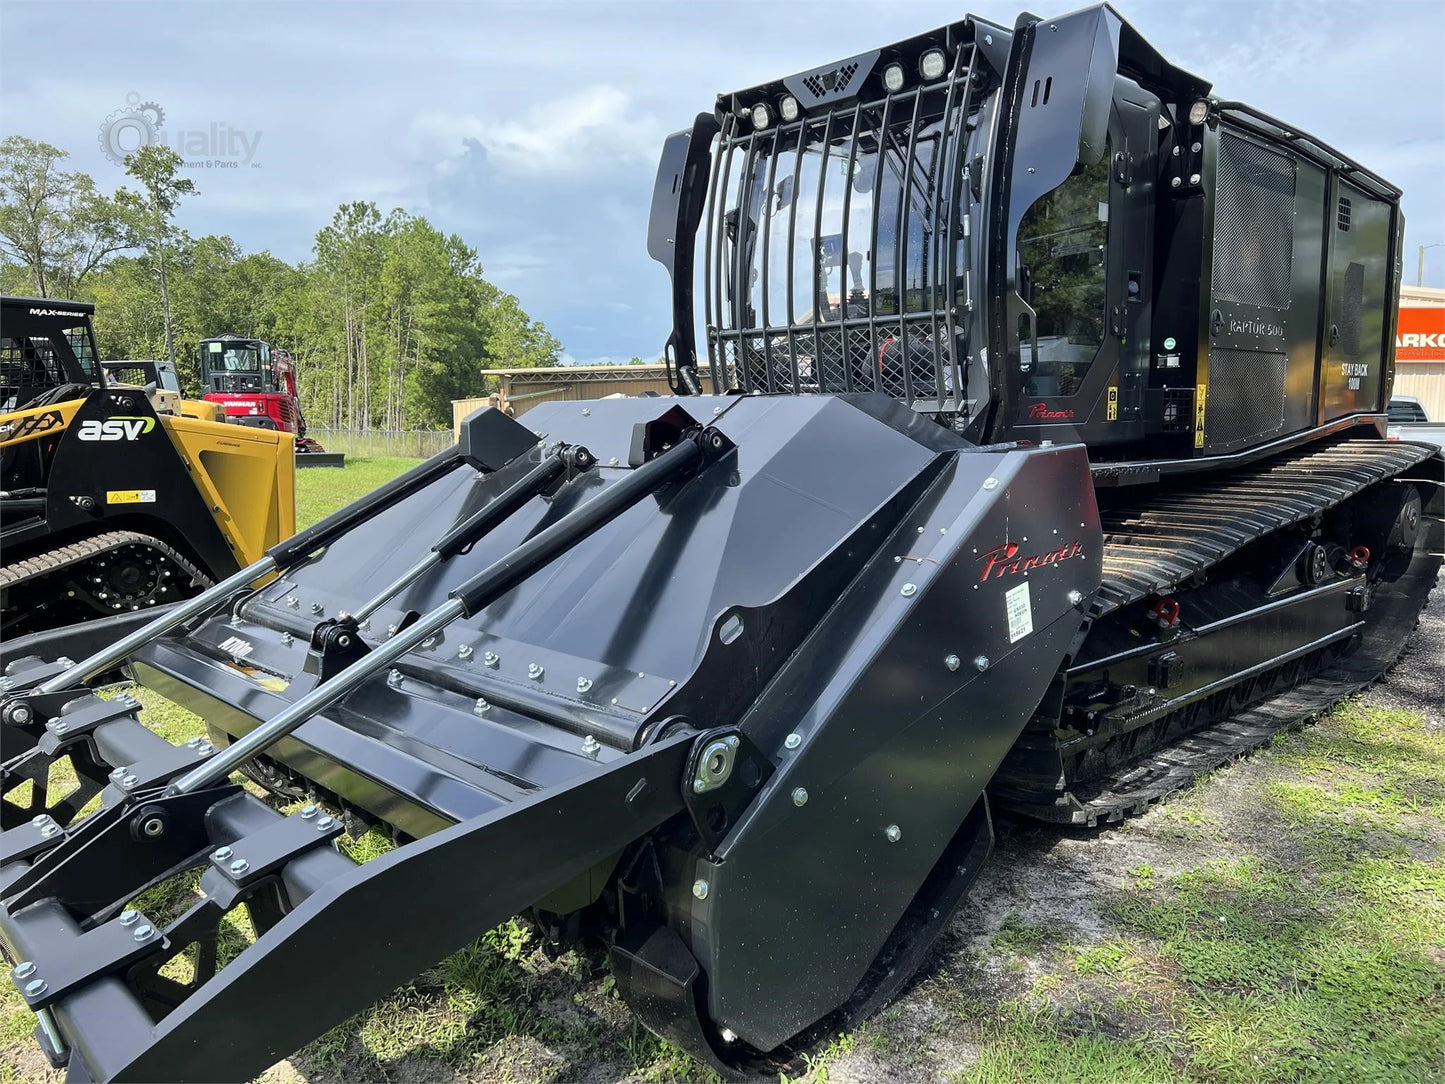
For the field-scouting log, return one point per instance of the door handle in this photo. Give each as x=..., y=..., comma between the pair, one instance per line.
x=1334, y=334
x=1027, y=361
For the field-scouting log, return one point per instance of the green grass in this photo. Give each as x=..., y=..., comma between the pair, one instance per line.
x=322, y=490
x=1308, y=946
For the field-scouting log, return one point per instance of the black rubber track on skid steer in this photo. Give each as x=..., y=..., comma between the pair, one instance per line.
x=71, y=560
x=1152, y=546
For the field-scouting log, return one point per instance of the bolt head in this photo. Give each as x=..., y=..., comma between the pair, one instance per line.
x=394, y=678
x=144, y=933
x=20, y=714
x=50, y=830
x=292, y=601
x=536, y=672
x=586, y=413
x=308, y=811
x=240, y=865
x=1075, y=597
x=800, y=797
x=41, y=821
x=990, y=483
x=130, y=781
x=591, y=746
x=491, y=658
x=981, y=663
x=481, y=707
x=583, y=684
x=909, y=590
x=951, y=661
x=129, y=917
x=220, y=854
x=287, y=639
x=465, y=651
x=24, y=969
x=700, y=889
x=36, y=987
x=893, y=833
x=792, y=741
x=317, y=608
x=325, y=824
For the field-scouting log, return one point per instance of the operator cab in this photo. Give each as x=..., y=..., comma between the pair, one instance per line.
x=47, y=352
x=1044, y=233
x=232, y=364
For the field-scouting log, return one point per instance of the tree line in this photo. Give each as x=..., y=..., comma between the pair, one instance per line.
x=388, y=321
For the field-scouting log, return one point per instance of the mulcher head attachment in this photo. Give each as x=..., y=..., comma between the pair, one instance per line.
x=720, y=680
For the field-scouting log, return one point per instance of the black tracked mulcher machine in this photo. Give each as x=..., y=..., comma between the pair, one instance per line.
x=1044, y=467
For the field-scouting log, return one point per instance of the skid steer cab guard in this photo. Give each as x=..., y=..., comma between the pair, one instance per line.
x=695, y=678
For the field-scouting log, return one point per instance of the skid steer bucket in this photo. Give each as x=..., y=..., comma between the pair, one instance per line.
x=691, y=668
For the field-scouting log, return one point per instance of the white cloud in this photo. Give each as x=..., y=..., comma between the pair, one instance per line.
x=588, y=130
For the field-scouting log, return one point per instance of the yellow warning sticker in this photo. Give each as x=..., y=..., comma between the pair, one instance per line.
x=130, y=496
x=1199, y=415
x=1113, y=408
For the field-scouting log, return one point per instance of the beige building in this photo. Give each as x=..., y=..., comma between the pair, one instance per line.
x=518, y=390
x=1420, y=348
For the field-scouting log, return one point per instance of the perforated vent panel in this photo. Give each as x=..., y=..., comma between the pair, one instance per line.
x=1253, y=225
x=1342, y=215
x=825, y=84
x=1246, y=397
x=1352, y=309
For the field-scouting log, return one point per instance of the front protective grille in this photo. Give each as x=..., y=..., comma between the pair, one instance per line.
x=833, y=259
x=1253, y=224
x=1246, y=398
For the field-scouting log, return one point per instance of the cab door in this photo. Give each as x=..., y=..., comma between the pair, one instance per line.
x=1070, y=234
x=1356, y=302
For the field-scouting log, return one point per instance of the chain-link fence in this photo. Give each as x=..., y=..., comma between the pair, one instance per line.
x=411, y=443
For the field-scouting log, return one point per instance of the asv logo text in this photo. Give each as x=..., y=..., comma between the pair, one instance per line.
x=116, y=429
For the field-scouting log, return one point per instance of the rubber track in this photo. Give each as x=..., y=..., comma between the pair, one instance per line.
x=63, y=557
x=1153, y=546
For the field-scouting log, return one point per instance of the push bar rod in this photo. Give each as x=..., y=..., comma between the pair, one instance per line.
x=473, y=595
x=277, y=558
x=482, y=522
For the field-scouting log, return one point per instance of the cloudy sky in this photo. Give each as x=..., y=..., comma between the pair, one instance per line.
x=533, y=129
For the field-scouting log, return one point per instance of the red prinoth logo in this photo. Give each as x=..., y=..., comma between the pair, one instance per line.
x=1042, y=412
x=1005, y=560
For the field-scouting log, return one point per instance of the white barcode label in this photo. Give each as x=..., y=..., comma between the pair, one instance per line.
x=1020, y=612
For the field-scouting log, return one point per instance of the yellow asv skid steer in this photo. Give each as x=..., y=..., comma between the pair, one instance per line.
x=116, y=500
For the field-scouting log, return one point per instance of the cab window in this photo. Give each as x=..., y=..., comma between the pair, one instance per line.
x=1062, y=249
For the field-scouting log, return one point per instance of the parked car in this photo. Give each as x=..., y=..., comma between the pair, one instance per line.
x=1408, y=421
